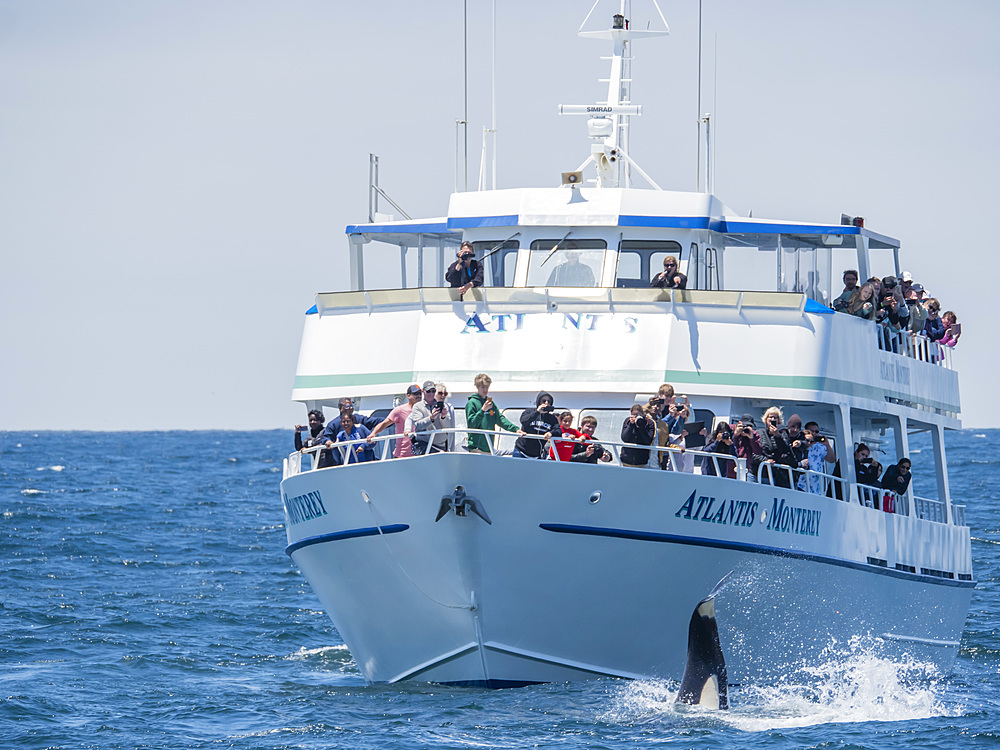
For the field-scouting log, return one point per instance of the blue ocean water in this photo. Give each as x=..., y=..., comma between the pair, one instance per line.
x=147, y=602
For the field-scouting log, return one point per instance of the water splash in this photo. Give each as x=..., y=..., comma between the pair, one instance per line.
x=855, y=687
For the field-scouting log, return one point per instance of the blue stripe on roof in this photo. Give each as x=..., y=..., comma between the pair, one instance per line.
x=463, y=222
x=774, y=228
x=679, y=222
x=654, y=536
x=312, y=311
x=438, y=227
x=670, y=222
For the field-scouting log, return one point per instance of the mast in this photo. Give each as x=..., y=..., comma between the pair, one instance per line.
x=609, y=122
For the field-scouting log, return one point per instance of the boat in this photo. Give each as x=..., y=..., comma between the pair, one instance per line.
x=479, y=568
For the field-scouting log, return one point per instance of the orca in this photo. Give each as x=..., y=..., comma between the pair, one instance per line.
x=705, y=681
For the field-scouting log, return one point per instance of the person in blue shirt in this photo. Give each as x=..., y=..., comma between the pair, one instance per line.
x=349, y=430
x=333, y=427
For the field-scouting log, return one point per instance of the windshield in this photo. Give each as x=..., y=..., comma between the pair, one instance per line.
x=569, y=262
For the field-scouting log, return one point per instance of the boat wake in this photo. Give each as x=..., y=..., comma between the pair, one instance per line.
x=849, y=688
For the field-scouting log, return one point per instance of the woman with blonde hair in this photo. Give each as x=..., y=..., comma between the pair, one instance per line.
x=863, y=302
x=775, y=450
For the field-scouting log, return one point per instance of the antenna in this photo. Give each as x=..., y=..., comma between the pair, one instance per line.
x=493, y=84
x=697, y=184
x=490, y=133
x=464, y=122
x=715, y=99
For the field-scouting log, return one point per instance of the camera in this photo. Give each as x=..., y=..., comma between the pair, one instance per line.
x=466, y=255
x=439, y=405
x=725, y=436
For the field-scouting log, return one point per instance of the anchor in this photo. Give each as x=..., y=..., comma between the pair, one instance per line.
x=461, y=503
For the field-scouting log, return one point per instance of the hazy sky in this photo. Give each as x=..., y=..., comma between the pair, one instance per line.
x=175, y=177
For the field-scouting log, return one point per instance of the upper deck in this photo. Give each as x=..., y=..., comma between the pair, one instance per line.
x=621, y=235
x=753, y=322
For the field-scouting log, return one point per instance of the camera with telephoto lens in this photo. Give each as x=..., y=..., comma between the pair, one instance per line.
x=466, y=255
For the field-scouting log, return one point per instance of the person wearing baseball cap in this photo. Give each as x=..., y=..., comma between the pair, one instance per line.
x=398, y=417
x=918, y=313
x=420, y=419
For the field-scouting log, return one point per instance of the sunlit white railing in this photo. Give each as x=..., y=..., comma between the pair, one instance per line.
x=672, y=459
x=886, y=500
x=830, y=485
x=721, y=462
x=931, y=510
x=913, y=345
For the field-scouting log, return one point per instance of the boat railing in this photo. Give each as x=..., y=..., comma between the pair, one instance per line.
x=830, y=486
x=721, y=463
x=673, y=459
x=885, y=500
x=913, y=345
x=935, y=510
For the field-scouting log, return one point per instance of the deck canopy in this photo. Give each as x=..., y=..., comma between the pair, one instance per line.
x=623, y=236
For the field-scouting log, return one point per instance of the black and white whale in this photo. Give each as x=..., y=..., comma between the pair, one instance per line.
x=705, y=680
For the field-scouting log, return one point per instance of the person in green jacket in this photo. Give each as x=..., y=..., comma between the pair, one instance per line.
x=482, y=414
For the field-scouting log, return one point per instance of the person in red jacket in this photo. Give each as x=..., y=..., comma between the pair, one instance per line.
x=565, y=447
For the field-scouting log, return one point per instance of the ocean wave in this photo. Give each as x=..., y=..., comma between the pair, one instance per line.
x=31, y=491
x=304, y=653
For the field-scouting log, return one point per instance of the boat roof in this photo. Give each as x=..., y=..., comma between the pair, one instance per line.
x=598, y=207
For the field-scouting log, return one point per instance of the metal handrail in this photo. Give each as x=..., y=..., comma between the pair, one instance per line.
x=874, y=497
x=794, y=473
x=934, y=510
x=293, y=467
x=913, y=345
x=868, y=496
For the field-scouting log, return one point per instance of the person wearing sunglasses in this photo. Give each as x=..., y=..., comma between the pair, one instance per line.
x=434, y=413
x=671, y=278
x=933, y=326
x=466, y=272
x=419, y=421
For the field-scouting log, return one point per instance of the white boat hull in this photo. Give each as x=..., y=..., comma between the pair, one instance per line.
x=560, y=588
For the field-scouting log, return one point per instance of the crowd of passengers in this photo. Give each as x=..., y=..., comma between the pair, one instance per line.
x=664, y=422
x=898, y=305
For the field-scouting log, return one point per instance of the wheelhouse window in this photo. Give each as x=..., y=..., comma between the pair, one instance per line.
x=881, y=261
x=640, y=260
x=750, y=262
x=501, y=261
x=569, y=262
